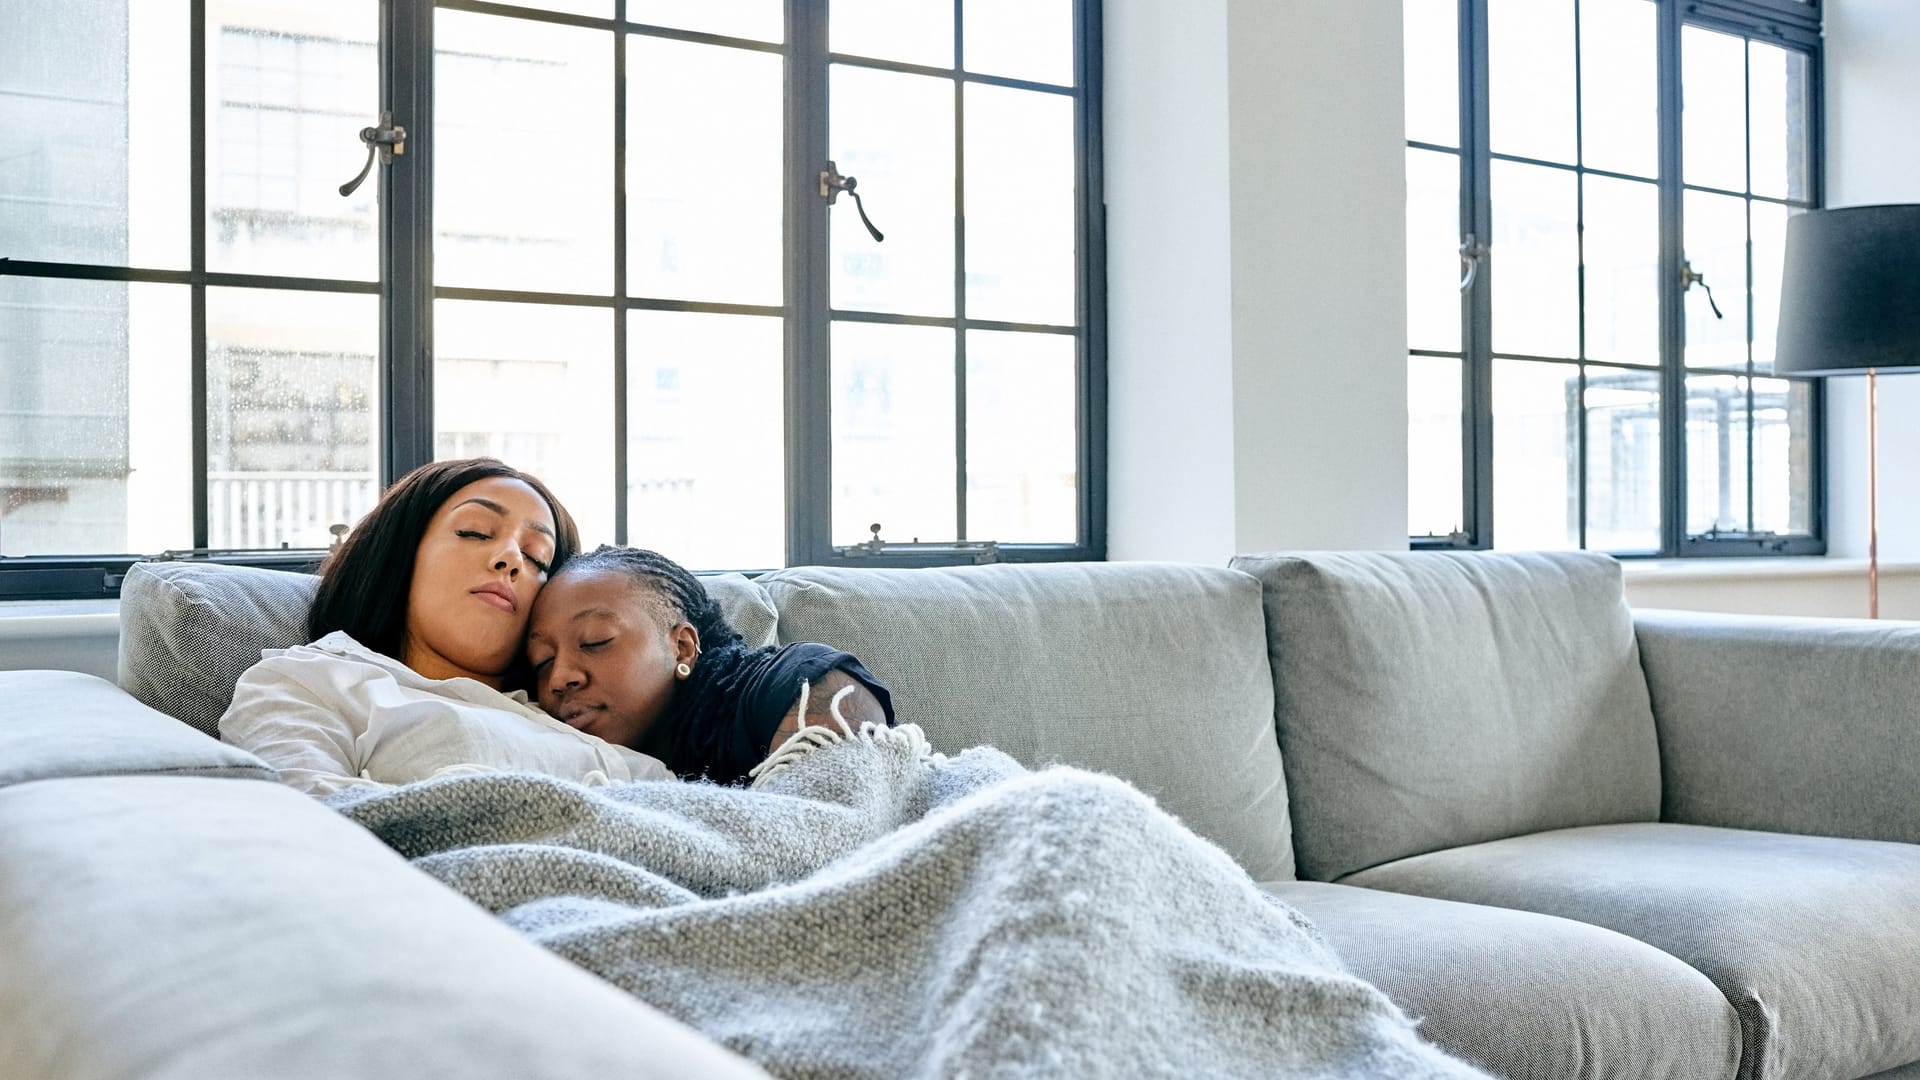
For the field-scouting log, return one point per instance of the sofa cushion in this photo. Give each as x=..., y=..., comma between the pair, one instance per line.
x=1154, y=673
x=1426, y=700
x=1527, y=996
x=62, y=723
x=1815, y=940
x=162, y=927
x=189, y=630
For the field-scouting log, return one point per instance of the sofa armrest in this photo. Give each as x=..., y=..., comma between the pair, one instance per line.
x=56, y=724
x=180, y=927
x=1786, y=724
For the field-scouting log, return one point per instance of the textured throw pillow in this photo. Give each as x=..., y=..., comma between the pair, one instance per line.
x=1154, y=673
x=189, y=630
x=1426, y=700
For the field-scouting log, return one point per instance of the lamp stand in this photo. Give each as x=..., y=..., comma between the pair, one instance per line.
x=1873, y=497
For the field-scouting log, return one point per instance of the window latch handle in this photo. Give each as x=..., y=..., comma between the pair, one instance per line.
x=386, y=140
x=1689, y=277
x=1471, y=252
x=832, y=184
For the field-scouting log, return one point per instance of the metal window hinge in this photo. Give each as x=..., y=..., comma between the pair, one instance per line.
x=976, y=551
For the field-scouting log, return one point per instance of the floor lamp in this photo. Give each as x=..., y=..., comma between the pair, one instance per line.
x=1850, y=305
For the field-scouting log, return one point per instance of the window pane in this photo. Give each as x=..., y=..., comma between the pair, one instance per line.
x=1535, y=261
x=1022, y=450
x=761, y=20
x=706, y=442
x=1619, y=87
x=1020, y=209
x=1716, y=454
x=703, y=172
x=1622, y=251
x=523, y=166
x=1433, y=250
x=1783, y=456
x=1769, y=258
x=893, y=452
x=1021, y=39
x=894, y=133
x=290, y=84
x=1435, y=492
x=1716, y=248
x=1530, y=78
x=910, y=31
x=1781, y=114
x=80, y=470
x=93, y=132
x=1535, y=456
x=1713, y=109
x=1432, y=51
x=291, y=428
x=533, y=386
x=1623, y=459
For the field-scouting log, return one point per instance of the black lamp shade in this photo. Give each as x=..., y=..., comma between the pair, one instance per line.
x=1850, y=296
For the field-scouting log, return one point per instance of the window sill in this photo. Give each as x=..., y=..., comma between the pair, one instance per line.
x=1811, y=567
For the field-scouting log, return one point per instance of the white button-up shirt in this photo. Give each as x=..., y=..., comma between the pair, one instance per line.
x=335, y=713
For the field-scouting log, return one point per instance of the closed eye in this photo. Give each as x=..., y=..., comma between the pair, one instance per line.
x=541, y=665
x=472, y=534
x=596, y=644
x=538, y=565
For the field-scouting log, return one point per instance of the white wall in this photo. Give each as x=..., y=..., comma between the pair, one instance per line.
x=1873, y=156
x=1256, y=290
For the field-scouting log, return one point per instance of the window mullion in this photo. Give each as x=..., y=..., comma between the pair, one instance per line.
x=197, y=311
x=1673, y=377
x=406, y=242
x=1477, y=327
x=808, y=329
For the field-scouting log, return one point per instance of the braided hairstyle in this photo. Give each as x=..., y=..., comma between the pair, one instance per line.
x=688, y=737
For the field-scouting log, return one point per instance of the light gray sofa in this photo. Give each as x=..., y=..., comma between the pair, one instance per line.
x=1576, y=841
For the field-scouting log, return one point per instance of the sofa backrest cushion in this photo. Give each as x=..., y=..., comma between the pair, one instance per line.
x=188, y=630
x=1153, y=673
x=1425, y=700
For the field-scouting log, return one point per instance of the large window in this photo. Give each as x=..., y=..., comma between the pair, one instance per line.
x=1597, y=196
x=604, y=252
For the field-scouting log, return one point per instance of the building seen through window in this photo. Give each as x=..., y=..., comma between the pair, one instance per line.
x=957, y=361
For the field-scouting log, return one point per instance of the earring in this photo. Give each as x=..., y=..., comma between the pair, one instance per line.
x=681, y=669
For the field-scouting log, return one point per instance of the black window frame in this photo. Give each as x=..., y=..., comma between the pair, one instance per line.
x=1793, y=24
x=405, y=287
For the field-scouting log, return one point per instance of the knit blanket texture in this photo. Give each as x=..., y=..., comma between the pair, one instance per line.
x=870, y=908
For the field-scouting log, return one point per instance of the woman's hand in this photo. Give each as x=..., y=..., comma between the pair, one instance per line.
x=858, y=707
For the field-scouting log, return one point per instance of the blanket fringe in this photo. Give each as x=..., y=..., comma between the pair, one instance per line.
x=812, y=737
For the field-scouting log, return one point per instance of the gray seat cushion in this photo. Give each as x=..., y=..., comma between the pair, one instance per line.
x=56, y=724
x=1427, y=700
x=189, y=630
x=1526, y=996
x=1154, y=673
x=1815, y=940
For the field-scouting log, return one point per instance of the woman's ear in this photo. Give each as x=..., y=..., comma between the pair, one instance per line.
x=686, y=643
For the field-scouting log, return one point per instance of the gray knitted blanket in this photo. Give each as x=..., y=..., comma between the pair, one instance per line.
x=872, y=909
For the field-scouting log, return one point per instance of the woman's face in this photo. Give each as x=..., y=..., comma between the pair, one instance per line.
x=480, y=564
x=603, y=656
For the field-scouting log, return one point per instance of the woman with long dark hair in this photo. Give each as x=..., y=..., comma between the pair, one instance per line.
x=415, y=666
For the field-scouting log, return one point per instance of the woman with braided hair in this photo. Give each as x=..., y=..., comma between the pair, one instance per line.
x=625, y=644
